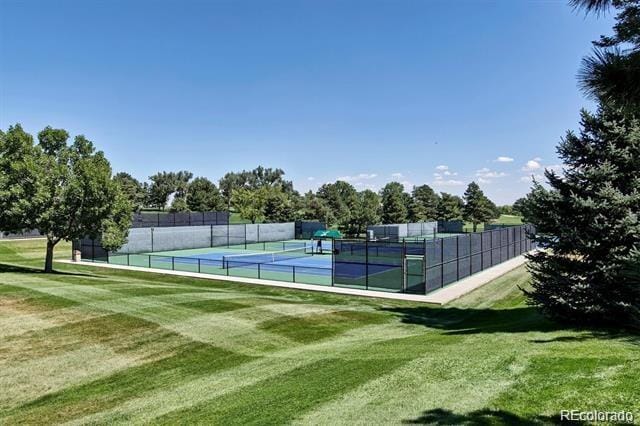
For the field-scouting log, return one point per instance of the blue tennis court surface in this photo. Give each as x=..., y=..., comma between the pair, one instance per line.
x=297, y=262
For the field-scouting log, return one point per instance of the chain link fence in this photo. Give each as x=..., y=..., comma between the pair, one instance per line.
x=417, y=267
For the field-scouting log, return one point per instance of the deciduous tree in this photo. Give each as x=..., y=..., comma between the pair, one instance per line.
x=65, y=191
x=341, y=198
x=204, y=196
x=249, y=203
x=367, y=211
x=132, y=189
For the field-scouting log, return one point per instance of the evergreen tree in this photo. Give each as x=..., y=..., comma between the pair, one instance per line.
x=449, y=207
x=519, y=206
x=612, y=73
x=477, y=207
x=424, y=204
x=394, y=209
x=589, y=223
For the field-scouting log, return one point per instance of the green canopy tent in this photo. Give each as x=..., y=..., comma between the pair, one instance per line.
x=325, y=235
x=328, y=234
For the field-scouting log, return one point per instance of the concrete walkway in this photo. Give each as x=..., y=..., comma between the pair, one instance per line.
x=439, y=297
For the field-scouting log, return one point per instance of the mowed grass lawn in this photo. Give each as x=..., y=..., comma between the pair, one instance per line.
x=91, y=345
x=504, y=219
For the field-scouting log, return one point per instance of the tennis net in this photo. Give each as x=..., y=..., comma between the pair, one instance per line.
x=239, y=260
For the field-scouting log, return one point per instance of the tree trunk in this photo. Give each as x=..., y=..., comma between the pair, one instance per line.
x=475, y=226
x=48, y=263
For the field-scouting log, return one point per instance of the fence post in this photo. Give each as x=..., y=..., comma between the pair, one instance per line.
x=457, y=257
x=128, y=262
x=198, y=265
x=366, y=264
x=470, y=256
x=441, y=263
x=491, y=245
x=173, y=260
x=294, y=273
x=333, y=262
x=258, y=271
x=403, y=269
x=482, y=251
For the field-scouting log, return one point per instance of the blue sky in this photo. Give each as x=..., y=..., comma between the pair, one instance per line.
x=440, y=92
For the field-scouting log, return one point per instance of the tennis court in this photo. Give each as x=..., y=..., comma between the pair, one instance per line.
x=291, y=260
x=410, y=258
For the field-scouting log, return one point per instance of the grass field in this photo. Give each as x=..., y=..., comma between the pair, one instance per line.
x=504, y=219
x=87, y=345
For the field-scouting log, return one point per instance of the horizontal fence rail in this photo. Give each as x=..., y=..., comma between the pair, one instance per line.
x=149, y=220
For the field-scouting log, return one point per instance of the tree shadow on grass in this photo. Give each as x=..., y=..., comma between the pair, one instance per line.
x=465, y=321
x=16, y=269
x=461, y=321
x=440, y=416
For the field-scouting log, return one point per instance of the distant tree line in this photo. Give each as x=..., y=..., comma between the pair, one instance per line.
x=263, y=194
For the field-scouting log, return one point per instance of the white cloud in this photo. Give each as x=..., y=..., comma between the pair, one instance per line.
x=485, y=173
x=504, y=159
x=444, y=172
x=447, y=182
x=311, y=178
x=358, y=178
x=407, y=185
x=532, y=165
x=397, y=175
x=483, y=180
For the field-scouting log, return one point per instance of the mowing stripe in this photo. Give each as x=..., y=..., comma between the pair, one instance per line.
x=210, y=387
